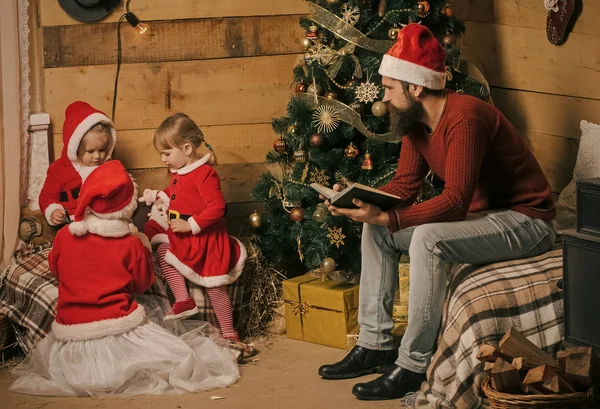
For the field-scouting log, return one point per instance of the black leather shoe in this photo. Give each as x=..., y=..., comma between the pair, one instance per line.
x=360, y=361
x=393, y=384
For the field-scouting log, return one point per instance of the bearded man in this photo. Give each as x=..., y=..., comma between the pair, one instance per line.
x=496, y=205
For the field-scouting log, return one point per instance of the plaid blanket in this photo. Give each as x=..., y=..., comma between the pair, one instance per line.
x=482, y=304
x=28, y=296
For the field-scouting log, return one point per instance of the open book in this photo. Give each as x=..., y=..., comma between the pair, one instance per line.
x=367, y=194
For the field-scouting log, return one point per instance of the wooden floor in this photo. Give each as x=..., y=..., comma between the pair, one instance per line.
x=282, y=375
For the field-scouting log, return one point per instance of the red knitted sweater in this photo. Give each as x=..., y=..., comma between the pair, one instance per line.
x=483, y=160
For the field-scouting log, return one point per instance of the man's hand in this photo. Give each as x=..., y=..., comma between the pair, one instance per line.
x=337, y=188
x=180, y=226
x=58, y=217
x=366, y=213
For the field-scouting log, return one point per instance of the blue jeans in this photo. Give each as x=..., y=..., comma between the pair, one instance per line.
x=482, y=238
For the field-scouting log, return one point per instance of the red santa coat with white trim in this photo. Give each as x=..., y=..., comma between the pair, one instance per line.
x=97, y=279
x=60, y=177
x=66, y=174
x=207, y=256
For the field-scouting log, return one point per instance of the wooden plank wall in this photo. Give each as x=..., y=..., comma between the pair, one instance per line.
x=545, y=90
x=227, y=64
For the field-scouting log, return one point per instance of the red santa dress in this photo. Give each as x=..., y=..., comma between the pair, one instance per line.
x=65, y=175
x=208, y=255
x=101, y=342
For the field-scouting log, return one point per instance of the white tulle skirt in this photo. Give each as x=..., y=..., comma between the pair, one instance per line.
x=148, y=360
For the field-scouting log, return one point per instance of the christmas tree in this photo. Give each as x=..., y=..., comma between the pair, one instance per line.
x=336, y=127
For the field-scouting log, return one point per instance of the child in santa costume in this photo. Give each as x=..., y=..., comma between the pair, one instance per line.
x=101, y=342
x=89, y=139
x=196, y=244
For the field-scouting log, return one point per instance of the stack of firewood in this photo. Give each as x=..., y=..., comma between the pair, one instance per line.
x=517, y=366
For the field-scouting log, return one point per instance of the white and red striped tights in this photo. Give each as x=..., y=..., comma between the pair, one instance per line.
x=219, y=296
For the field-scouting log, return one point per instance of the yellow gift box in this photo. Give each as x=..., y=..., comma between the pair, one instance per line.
x=397, y=332
x=322, y=312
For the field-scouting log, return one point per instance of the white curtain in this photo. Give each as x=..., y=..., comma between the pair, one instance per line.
x=11, y=129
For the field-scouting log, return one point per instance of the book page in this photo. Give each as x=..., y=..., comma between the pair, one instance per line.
x=325, y=191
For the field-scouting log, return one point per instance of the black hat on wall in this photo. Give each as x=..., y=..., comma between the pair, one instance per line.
x=88, y=10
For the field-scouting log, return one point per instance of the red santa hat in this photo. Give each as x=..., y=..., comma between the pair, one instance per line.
x=107, y=199
x=79, y=118
x=417, y=58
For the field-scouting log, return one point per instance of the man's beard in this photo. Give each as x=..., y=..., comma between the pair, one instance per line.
x=403, y=120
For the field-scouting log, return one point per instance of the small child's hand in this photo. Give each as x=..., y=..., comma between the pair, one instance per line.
x=58, y=217
x=180, y=226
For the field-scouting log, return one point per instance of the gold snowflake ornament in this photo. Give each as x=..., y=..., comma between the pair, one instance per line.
x=336, y=237
x=326, y=118
x=367, y=92
x=318, y=52
x=350, y=14
x=319, y=176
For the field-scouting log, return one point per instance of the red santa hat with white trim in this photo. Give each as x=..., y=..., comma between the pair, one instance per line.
x=417, y=57
x=109, y=194
x=80, y=117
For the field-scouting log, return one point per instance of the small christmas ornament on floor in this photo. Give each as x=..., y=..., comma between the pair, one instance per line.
x=560, y=19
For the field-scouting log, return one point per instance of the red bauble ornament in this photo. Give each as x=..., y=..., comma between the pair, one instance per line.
x=300, y=87
x=316, y=140
x=447, y=11
x=423, y=8
x=280, y=146
x=351, y=151
x=297, y=214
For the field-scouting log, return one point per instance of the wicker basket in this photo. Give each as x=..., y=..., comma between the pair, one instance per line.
x=500, y=400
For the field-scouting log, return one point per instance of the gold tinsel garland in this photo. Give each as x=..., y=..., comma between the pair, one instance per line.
x=347, y=115
x=353, y=35
x=340, y=28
